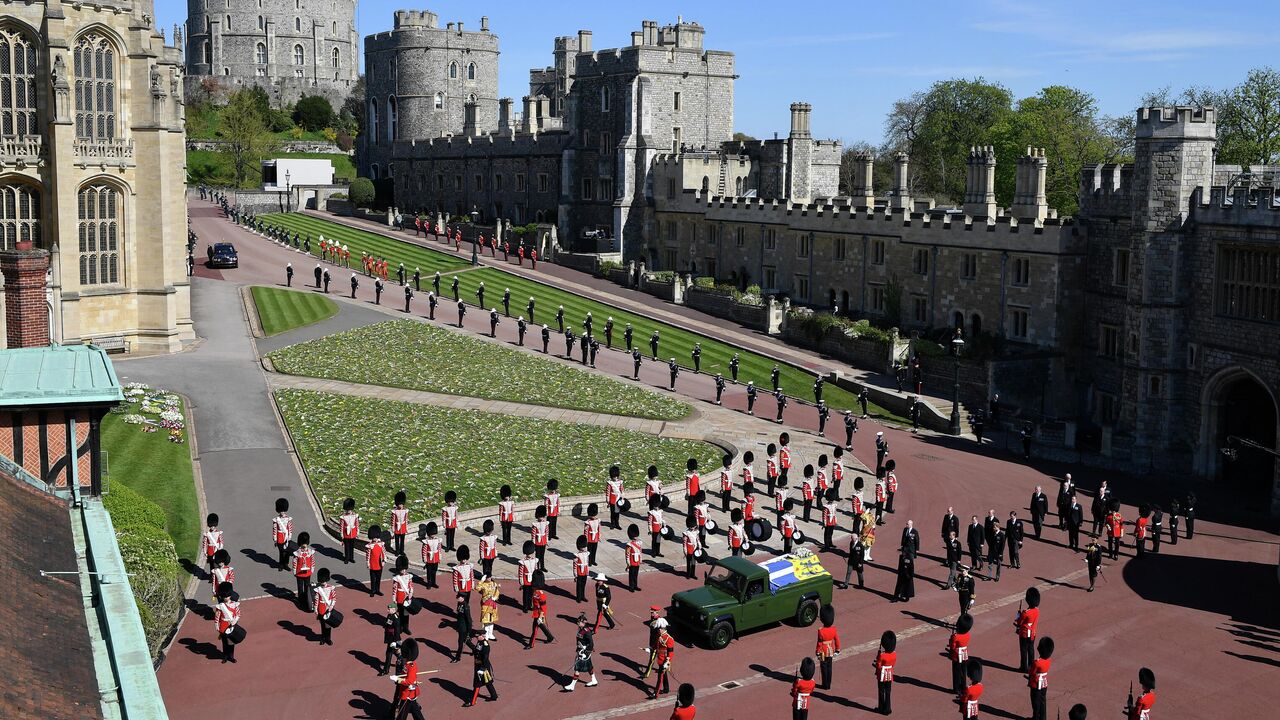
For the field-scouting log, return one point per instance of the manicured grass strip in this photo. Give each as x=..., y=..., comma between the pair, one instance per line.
x=369, y=449
x=360, y=241
x=280, y=310
x=418, y=356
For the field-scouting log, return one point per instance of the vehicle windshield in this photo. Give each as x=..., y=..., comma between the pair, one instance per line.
x=725, y=579
x=224, y=247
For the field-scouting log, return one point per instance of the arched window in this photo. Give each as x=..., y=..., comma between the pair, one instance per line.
x=453, y=70
x=262, y=24
x=706, y=184
x=297, y=4
x=99, y=207
x=737, y=186
x=604, y=99
x=471, y=71
x=336, y=57
x=373, y=171
x=207, y=53
x=260, y=54
x=299, y=56
x=297, y=24
x=335, y=28
x=439, y=101
x=17, y=84
x=373, y=119
x=19, y=215
x=228, y=25
x=95, y=69
x=393, y=119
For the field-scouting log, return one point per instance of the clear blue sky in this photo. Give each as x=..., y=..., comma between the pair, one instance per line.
x=852, y=59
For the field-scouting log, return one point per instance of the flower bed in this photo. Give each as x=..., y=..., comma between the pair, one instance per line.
x=418, y=356
x=369, y=449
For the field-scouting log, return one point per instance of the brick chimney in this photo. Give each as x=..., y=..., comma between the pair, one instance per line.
x=26, y=311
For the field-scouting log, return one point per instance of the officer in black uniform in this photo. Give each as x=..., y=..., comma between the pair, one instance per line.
x=462, y=311
x=608, y=333
x=326, y=281
x=520, y=330
x=627, y=334
x=288, y=275
x=1039, y=509
x=823, y=412
x=733, y=367
x=454, y=286
x=377, y=291
x=719, y=387
x=586, y=323
x=862, y=400
x=480, y=295
x=653, y=344
x=585, y=343
x=696, y=354
x=408, y=295
x=751, y=397
x=850, y=427
x=354, y=284
x=595, y=348
x=529, y=308
x=636, y=359
x=675, y=370
x=435, y=283
x=560, y=318
x=546, y=338
x=506, y=302
x=493, y=322
x=817, y=390
x=432, y=301
x=773, y=377
x=569, y=337
x=417, y=280
x=782, y=402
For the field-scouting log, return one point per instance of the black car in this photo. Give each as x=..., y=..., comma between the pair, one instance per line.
x=224, y=256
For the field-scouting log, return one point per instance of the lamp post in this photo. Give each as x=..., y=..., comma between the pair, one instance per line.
x=475, y=244
x=288, y=199
x=957, y=345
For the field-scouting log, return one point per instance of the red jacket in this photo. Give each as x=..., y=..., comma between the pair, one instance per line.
x=552, y=502
x=431, y=551
x=539, y=532
x=1038, y=678
x=488, y=547
x=304, y=561
x=1141, y=709
x=884, y=666
x=350, y=523
x=399, y=521
x=613, y=491
x=958, y=647
x=801, y=689
x=226, y=615
x=685, y=713
x=828, y=642
x=449, y=517
x=634, y=551
x=1027, y=622
x=785, y=454
x=582, y=564
x=506, y=511
x=692, y=483
x=591, y=528
x=376, y=553
x=539, y=606
x=281, y=529
x=326, y=599
x=464, y=577
x=969, y=700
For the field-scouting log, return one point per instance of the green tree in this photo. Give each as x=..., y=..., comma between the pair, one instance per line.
x=362, y=192
x=1248, y=118
x=313, y=113
x=1064, y=121
x=352, y=112
x=248, y=139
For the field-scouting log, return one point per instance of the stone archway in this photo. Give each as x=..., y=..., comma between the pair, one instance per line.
x=1235, y=402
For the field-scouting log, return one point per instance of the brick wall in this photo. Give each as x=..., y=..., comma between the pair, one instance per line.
x=26, y=310
x=721, y=305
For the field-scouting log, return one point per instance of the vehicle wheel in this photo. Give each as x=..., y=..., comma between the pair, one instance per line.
x=807, y=613
x=721, y=634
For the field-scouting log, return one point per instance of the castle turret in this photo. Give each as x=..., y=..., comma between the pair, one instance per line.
x=980, y=183
x=1029, y=201
x=1173, y=155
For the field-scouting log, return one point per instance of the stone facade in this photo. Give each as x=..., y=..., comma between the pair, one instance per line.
x=91, y=169
x=290, y=48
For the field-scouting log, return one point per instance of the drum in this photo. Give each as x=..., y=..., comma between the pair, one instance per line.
x=237, y=635
x=698, y=554
x=759, y=530
x=335, y=618
x=711, y=525
x=414, y=607
x=748, y=548
x=665, y=502
x=624, y=506
x=797, y=535
x=667, y=532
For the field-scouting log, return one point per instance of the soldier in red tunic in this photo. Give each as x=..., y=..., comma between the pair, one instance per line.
x=591, y=530
x=399, y=522
x=282, y=533
x=506, y=513
x=222, y=573
x=685, y=709
x=1025, y=626
x=488, y=548
x=211, y=540
x=581, y=568
x=969, y=699
x=748, y=474
x=692, y=484
x=551, y=501
x=375, y=559
x=884, y=663
x=303, y=565
x=406, y=697
x=449, y=518
x=226, y=615
x=1140, y=529
x=539, y=611
x=539, y=532
x=828, y=643
x=958, y=651
x=613, y=496
x=464, y=579
x=349, y=525
x=1038, y=679
x=784, y=455
x=402, y=591
x=664, y=654
x=432, y=552
x=527, y=566
x=326, y=599
x=1141, y=708
x=634, y=552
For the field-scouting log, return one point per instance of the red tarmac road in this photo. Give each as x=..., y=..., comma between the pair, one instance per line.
x=1201, y=614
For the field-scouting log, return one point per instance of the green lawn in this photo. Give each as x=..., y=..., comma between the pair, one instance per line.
x=281, y=310
x=369, y=449
x=419, y=356
x=674, y=342
x=359, y=241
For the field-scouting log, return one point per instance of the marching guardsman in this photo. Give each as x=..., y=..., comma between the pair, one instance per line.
x=462, y=624
x=780, y=500
x=211, y=540
x=560, y=317
x=823, y=413
x=1115, y=529
x=958, y=651
x=955, y=552
x=349, y=524
x=737, y=531
x=288, y=275
x=506, y=302
x=857, y=560
x=402, y=591
x=636, y=359
x=355, y=283
x=282, y=532
x=377, y=291
x=1038, y=679
x=726, y=482
x=604, y=602
x=326, y=599
x=303, y=564
x=828, y=643
x=432, y=552
x=493, y=322
x=488, y=548
x=608, y=333
x=1140, y=530
x=226, y=616
x=685, y=709
x=787, y=523
x=539, y=611
x=771, y=468
x=539, y=533
x=406, y=697
x=408, y=296
x=627, y=334
x=850, y=427
x=886, y=658
x=653, y=344
x=971, y=697
x=696, y=355
x=375, y=553
x=489, y=592
x=569, y=337
x=734, y=362
x=751, y=397
x=652, y=486
x=830, y=518
x=462, y=312
x=432, y=302
x=551, y=501
x=965, y=589
x=546, y=338
x=890, y=488
x=526, y=567
x=656, y=525
x=529, y=308
x=1141, y=709
x=802, y=689
x=591, y=531
x=464, y=579
x=480, y=295
x=506, y=513
x=399, y=523
x=222, y=572
x=773, y=377
x=584, y=648
x=692, y=484
x=1013, y=537
x=807, y=488
x=482, y=672
x=454, y=287
x=613, y=493
x=782, y=403
x=719, y=387
x=633, y=553
x=581, y=568
x=1025, y=626
x=1039, y=509
x=449, y=518
x=674, y=370
x=748, y=474
x=521, y=328
x=1093, y=559
x=692, y=545
x=663, y=655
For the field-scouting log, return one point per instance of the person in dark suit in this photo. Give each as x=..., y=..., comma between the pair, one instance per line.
x=955, y=552
x=906, y=587
x=911, y=538
x=989, y=525
x=1039, y=508
x=1157, y=527
x=976, y=538
x=1075, y=521
x=995, y=550
x=950, y=524
x=1013, y=536
x=1065, y=490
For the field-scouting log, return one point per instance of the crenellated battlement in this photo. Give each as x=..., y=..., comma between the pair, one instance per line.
x=1242, y=206
x=416, y=18
x=1182, y=121
x=496, y=144
x=1106, y=190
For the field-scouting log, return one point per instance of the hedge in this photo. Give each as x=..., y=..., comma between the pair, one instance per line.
x=150, y=558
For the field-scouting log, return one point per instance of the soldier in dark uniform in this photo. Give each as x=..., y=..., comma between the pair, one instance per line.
x=506, y=302
x=326, y=281
x=417, y=280
x=696, y=354
x=1093, y=559
x=1189, y=509
x=377, y=291
x=546, y=338
x=857, y=560
x=584, y=343
x=782, y=402
x=493, y=322
x=454, y=286
x=733, y=367
x=521, y=327
x=965, y=589
x=653, y=344
x=950, y=525
x=773, y=377
x=480, y=295
x=586, y=324
x=823, y=412
x=608, y=333
x=432, y=301
x=288, y=275
x=391, y=633
x=1026, y=442
x=850, y=427
x=354, y=284
x=1157, y=527
x=569, y=337
x=1175, y=510
x=595, y=348
x=675, y=371
x=462, y=312
x=400, y=274
x=408, y=295
x=462, y=623
x=719, y=387
x=1039, y=509
x=319, y=272
x=751, y=397
x=435, y=283
x=626, y=335
x=529, y=309
x=915, y=414
x=560, y=318
x=1013, y=535
x=636, y=358
x=882, y=451
x=862, y=400
x=817, y=390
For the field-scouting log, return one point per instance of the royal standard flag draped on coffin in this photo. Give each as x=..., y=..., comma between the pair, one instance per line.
x=790, y=569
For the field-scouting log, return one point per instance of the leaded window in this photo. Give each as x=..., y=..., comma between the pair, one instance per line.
x=99, y=208
x=95, y=69
x=17, y=84
x=19, y=215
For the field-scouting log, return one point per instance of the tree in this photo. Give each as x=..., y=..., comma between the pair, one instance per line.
x=1064, y=121
x=362, y=192
x=209, y=88
x=1248, y=118
x=313, y=113
x=743, y=137
x=353, y=109
x=248, y=138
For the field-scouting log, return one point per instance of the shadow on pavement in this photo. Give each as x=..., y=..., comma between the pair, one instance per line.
x=1200, y=584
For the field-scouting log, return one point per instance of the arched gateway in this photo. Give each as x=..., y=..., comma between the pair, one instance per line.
x=1237, y=406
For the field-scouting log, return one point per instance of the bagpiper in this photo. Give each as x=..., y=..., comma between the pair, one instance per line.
x=584, y=648
x=482, y=675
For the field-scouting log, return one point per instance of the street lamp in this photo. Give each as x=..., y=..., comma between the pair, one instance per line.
x=288, y=200
x=475, y=244
x=957, y=345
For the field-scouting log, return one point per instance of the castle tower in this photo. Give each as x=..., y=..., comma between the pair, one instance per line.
x=1029, y=200
x=980, y=183
x=291, y=48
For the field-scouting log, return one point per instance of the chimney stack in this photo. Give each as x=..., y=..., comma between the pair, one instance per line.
x=1029, y=201
x=860, y=186
x=980, y=184
x=484, y=23
x=504, y=115
x=527, y=122
x=800, y=119
x=584, y=41
x=901, y=195
x=469, y=120
x=25, y=309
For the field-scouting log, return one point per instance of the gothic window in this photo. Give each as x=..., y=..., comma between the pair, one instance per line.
x=299, y=56
x=471, y=71
x=99, y=207
x=206, y=52
x=604, y=99
x=19, y=215
x=373, y=119
x=335, y=28
x=439, y=101
x=393, y=119
x=17, y=84
x=706, y=184
x=297, y=24
x=262, y=23
x=95, y=70
x=453, y=70
x=228, y=23
x=336, y=56
x=260, y=54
